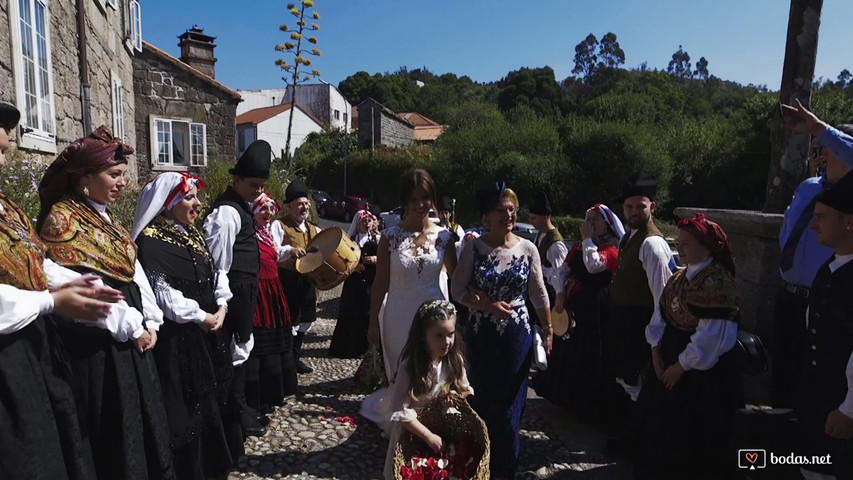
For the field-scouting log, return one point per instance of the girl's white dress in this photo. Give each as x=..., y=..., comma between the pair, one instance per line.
x=404, y=409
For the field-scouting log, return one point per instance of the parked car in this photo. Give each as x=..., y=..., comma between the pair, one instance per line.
x=523, y=230
x=346, y=207
x=393, y=217
x=320, y=198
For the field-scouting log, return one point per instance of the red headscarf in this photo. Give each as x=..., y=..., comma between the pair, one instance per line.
x=711, y=236
x=92, y=154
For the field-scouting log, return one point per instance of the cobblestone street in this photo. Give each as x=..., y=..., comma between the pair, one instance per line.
x=319, y=435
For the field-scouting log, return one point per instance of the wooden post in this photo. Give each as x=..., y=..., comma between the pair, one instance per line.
x=789, y=153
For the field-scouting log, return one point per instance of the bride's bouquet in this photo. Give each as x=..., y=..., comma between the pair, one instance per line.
x=371, y=372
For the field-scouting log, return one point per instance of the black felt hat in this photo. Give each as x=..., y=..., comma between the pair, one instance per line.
x=445, y=205
x=9, y=116
x=295, y=190
x=840, y=195
x=255, y=161
x=541, y=204
x=642, y=184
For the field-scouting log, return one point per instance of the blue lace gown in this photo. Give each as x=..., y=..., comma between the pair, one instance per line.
x=499, y=351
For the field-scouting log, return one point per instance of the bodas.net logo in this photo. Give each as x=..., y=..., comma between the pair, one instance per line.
x=751, y=458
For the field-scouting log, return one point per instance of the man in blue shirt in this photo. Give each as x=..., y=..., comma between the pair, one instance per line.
x=802, y=256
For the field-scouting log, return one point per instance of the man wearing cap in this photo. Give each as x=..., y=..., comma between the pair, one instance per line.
x=825, y=400
x=301, y=294
x=642, y=272
x=552, y=249
x=229, y=231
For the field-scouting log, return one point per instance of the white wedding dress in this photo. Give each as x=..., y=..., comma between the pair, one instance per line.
x=416, y=276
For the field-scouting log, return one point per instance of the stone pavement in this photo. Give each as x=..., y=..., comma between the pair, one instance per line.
x=318, y=434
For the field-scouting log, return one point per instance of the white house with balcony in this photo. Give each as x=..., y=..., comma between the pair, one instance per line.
x=323, y=100
x=270, y=124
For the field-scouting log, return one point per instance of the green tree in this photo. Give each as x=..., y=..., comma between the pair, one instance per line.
x=585, y=58
x=844, y=79
x=298, y=52
x=356, y=87
x=701, y=69
x=532, y=87
x=679, y=66
x=610, y=54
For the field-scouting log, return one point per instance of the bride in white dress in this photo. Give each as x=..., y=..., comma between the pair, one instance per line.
x=414, y=261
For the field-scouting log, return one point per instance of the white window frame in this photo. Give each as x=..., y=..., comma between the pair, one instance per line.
x=191, y=148
x=337, y=114
x=41, y=137
x=118, y=106
x=135, y=25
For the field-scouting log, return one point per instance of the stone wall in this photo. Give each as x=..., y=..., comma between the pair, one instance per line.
x=164, y=89
x=387, y=128
x=107, y=56
x=755, y=247
x=395, y=132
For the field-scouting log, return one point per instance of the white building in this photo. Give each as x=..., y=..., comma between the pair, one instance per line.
x=323, y=100
x=270, y=124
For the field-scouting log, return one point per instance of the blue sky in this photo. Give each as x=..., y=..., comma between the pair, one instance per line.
x=743, y=40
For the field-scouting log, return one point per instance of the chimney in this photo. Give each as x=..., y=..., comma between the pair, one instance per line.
x=197, y=50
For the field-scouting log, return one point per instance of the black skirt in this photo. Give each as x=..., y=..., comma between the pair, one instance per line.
x=350, y=337
x=688, y=432
x=125, y=419
x=40, y=435
x=188, y=379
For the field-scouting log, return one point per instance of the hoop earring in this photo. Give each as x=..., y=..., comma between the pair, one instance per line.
x=86, y=191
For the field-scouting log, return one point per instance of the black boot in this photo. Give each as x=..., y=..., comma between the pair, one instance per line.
x=301, y=367
x=248, y=416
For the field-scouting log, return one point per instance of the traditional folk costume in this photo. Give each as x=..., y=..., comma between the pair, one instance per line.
x=301, y=293
x=350, y=337
x=271, y=373
x=229, y=231
x=194, y=366
x=499, y=351
x=40, y=435
x=642, y=272
x=577, y=376
x=121, y=399
x=827, y=381
x=688, y=431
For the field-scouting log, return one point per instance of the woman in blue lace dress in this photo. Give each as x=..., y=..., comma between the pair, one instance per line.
x=492, y=278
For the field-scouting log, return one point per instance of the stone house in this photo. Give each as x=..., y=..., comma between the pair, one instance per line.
x=184, y=118
x=379, y=126
x=322, y=100
x=270, y=124
x=68, y=67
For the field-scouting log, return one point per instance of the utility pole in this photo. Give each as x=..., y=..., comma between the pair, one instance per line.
x=789, y=152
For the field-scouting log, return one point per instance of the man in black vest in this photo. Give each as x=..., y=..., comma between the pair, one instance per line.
x=825, y=408
x=643, y=270
x=229, y=231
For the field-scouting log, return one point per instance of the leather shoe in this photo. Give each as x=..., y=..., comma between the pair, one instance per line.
x=302, y=367
x=263, y=420
x=254, y=430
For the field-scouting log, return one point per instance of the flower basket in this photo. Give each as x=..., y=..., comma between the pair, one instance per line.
x=466, y=440
x=371, y=371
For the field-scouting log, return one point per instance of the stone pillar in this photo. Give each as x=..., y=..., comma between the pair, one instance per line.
x=755, y=247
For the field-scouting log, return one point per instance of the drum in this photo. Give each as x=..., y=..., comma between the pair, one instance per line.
x=332, y=257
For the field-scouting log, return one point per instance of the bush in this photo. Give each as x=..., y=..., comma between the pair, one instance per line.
x=20, y=180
